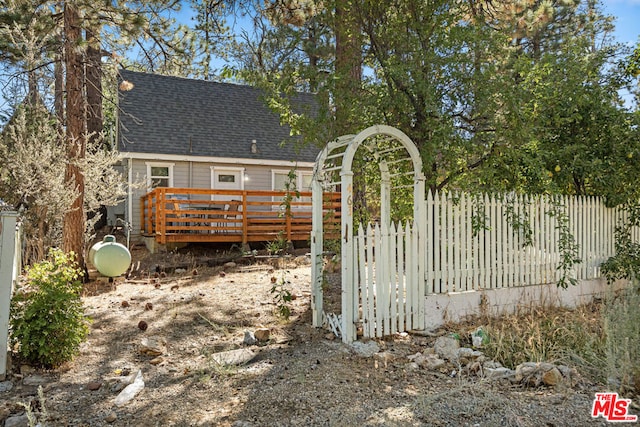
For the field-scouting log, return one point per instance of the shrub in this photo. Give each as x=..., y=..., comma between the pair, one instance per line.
x=47, y=320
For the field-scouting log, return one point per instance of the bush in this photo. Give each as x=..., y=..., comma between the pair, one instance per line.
x=47, y=320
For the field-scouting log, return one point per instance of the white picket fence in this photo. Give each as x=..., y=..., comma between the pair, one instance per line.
x=488, y=242
x=474, y=243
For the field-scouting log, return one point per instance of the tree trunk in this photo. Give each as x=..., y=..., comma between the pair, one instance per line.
x=74, y=222
x=94, y=86
x=348, y=67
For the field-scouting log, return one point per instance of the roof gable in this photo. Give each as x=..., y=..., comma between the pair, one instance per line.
x=179, y=116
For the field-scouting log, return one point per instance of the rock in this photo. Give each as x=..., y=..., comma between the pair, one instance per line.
x=5, y=386
x=35, y=380
x=94, y=385
x=262, y=334
x=491, y=364
x=157, y=360
x=180, y=270
x=111, y=417
x=385, y=357
x=302, y=260
x=234, y=357
x=152, y=346
x=430, y=361
x=249, y=338
x=413, y=357
x=17, y=421
x=447, y=348
x=552, y=377
x=535, y=374
x=465, y=355
x=130, y=391
x=526, y=372
x=365, y=349
x=230, y=264
x=499, y=373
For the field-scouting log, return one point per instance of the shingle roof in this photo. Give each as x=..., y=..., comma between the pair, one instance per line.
x=173, y=115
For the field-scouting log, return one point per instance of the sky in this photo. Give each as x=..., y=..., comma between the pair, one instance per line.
x=627, y=13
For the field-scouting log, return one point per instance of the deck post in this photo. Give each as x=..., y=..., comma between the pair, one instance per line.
x=245, y=222
x=143, y=222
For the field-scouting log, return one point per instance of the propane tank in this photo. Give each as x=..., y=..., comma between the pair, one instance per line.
x=109, y=257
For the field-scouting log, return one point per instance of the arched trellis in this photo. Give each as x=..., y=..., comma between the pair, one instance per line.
x=391, y=148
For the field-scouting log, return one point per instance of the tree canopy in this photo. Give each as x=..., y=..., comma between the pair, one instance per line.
x=512, y=96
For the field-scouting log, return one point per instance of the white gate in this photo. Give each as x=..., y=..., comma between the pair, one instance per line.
x=382, y=268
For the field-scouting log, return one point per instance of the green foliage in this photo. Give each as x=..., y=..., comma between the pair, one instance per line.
x=47, y=319
x=291, y=193
x=282, y=297
x=567, y=245
x=625, y=264
x=277, y=246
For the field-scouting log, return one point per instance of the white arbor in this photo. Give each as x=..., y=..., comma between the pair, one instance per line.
x=382, y=269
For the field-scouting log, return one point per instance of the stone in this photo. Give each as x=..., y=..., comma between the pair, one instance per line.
x=385, y=357
x=157, y=360
x=152, y=346
x=230, y=264
x=431, y=362
x=111, y=417
x=499, y=373
x=249, y=338
x=491, y=364
x=552, y=377
x=447, y=348
x=526, y=372
x=5, y=386
x=465, y=354
x=17, y=421
x=262, y=334
x=35, y=380
x=234, y=357
x=365, y=349
x=94, y=385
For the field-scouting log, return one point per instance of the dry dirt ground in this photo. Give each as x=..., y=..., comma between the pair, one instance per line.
x=301, y=376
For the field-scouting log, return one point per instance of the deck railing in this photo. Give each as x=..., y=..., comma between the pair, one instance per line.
x=243, y=216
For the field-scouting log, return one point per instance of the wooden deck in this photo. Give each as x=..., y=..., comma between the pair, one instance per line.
x=234, y=216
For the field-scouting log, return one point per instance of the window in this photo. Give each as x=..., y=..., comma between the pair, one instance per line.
x=302, y=182
x=226, y=178
x=159, y=175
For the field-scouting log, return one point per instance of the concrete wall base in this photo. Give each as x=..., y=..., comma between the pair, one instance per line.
x=455, y=306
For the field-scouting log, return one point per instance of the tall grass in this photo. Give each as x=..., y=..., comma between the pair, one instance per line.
x=549, y=334
x=601, y=339
x=621, y=316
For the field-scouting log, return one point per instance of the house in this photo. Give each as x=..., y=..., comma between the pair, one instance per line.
x=181, y=133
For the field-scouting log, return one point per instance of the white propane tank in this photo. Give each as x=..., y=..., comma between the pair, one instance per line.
x=109, y=257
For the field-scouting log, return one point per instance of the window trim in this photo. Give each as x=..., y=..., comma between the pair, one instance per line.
x=159, y=165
